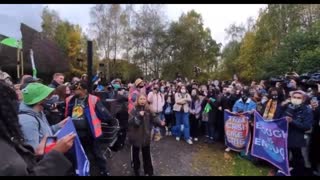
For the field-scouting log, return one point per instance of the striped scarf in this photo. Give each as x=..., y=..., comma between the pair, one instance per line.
x=270, y=110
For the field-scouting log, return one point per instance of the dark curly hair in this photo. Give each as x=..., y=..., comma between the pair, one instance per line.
x=10, y=129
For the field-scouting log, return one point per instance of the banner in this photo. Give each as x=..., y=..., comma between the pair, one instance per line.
x=82, y=162
x=237, y=132
x=270, y=142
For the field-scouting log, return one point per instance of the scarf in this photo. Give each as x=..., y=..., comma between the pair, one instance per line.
x=270, y=110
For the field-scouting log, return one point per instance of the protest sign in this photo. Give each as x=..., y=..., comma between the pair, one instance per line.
x=270, y=142
x=77, y=151
x=237, y=132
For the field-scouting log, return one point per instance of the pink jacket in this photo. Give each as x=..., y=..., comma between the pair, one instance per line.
x=156, y=102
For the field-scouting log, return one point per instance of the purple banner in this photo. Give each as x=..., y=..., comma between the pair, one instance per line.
x=270, y=142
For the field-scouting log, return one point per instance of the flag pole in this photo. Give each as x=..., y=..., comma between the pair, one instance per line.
x=34, y=70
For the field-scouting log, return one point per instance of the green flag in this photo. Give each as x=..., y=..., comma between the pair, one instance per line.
x=207, y=108
x=11, y=42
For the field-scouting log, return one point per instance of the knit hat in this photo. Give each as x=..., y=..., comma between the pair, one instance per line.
x=138, y=81
x=35, y=93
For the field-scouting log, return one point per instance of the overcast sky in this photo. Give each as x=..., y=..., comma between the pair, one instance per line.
x=215, y=16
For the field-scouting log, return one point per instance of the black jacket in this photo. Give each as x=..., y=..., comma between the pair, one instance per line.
x=21, y=161
x=53, y=84
x=302, y=122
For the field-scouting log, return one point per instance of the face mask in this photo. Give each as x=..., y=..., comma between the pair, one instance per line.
x=116, y=86
x=296, y=101
x=183, y=91
x=228, y=94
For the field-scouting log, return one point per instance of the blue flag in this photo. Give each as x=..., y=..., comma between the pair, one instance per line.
x=270, y=142
x=82, y=162
x=237, y=131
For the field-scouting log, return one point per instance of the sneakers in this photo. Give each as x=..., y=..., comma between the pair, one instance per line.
x=227, y=149
x=177, y=138
x=189, y=141
x=195, y=139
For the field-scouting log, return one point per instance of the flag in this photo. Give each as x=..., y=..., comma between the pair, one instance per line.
x=270, y=142
x=82, y=162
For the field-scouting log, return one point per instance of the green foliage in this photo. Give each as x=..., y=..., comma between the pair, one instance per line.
x=284, y=38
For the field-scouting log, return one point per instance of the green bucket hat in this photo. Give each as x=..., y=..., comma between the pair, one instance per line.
x=35, y=93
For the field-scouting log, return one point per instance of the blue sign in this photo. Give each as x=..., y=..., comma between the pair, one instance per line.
x=83, y=165
x=270, y=142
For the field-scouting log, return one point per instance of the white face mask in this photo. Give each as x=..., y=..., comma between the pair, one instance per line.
x=183, y=91
x=296, y=101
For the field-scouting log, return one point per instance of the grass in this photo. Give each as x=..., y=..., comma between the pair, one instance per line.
x=213, y=161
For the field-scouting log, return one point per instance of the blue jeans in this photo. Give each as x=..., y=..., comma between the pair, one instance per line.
x=183, y=119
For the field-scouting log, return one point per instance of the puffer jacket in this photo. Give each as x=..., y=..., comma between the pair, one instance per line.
x=139, y=131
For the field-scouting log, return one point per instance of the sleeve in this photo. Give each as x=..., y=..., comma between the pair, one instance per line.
x=188, y=98
x=53, y=164
x=253, y=106
x=178, y=99
x=30, y=130
x=155, y=119
x=235, y=107
x=306, y=123
x=102, y=112
x=150, y=97
x=134, y=97
x=134, y=118
x=55, y=128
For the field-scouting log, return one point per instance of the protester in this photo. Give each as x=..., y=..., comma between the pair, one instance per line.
x=244, y=105
x=181, y=108
x=272, y=108
x=140, y=122
x=87, y=113
x=168, y=111
x=20, y=159
x=56, y=104
x=195, y=115
x=32, y=119
x=58, y=79
x=315, y=138
x=300, y=120
x=134, y=93
x=156, y=101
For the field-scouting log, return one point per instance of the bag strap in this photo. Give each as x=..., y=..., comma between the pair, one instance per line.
x=32, y=115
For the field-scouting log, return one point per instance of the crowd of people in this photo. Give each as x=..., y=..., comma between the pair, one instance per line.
x=147, y=111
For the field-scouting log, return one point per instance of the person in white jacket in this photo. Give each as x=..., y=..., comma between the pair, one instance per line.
x=182, y=108
x=156, y=100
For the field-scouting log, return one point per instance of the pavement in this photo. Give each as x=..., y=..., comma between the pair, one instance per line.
x=173, y=158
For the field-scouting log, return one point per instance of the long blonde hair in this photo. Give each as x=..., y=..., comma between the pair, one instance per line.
x=146, y=106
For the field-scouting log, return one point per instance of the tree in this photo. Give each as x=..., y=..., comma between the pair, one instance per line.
x=190, y=45
x=50, y=22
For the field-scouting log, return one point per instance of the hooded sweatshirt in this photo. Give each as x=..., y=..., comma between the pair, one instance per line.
x=33, y=132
